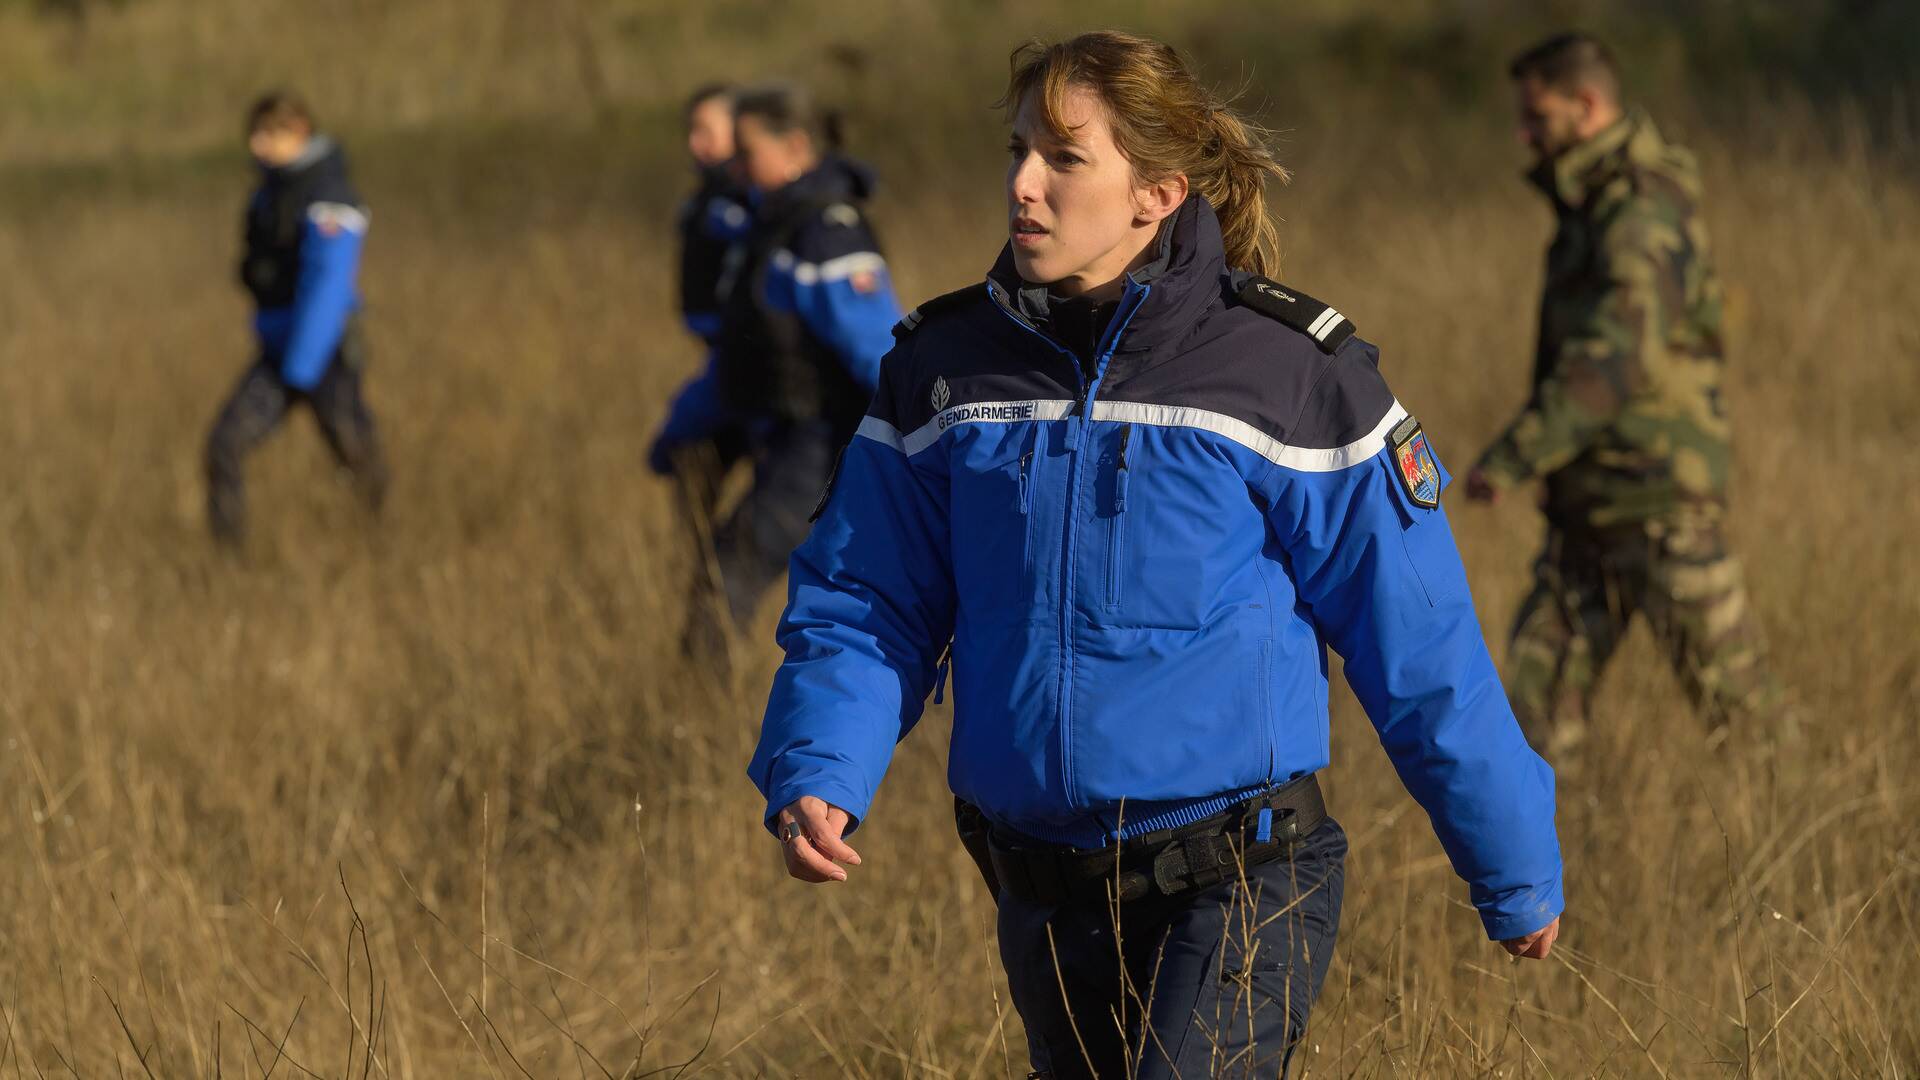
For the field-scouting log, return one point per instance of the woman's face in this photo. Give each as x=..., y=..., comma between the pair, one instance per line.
x=771, y=160
x=710, y=132
x=278, y=147
x=1076, y=216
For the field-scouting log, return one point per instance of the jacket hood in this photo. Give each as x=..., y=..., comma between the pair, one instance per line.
x=323, y=158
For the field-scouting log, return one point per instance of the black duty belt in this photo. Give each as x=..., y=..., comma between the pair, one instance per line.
x=1167, y=862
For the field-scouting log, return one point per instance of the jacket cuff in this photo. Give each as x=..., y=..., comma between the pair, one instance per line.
x=1523, y=911
x=830, y=792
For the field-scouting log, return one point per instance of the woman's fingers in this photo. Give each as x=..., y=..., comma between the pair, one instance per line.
x=1544, y=943
x=826, y=836
x=810, y=832
x=807, y=864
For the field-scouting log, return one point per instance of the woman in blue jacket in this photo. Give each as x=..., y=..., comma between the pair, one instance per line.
x=701, y=441
x=806, y=308
x=1141, y=487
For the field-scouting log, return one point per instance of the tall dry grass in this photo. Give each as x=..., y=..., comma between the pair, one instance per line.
x=441, y=781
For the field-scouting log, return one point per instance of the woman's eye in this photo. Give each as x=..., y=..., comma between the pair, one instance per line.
x=1066, y=161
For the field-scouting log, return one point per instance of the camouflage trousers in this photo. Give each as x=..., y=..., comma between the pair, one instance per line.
x=255, y=410
x=1589, y=586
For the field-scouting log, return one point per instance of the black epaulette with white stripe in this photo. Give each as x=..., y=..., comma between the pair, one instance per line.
x=1327, y=327
x=938, y=304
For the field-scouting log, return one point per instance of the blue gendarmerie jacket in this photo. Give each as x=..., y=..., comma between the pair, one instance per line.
x=806, y=310
x=714, y=219
x=1140, y=569
x=305, y=226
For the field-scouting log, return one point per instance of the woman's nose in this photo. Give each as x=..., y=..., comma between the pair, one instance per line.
x=1023, y=180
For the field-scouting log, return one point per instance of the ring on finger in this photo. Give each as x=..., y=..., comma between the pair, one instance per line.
x=791, y=831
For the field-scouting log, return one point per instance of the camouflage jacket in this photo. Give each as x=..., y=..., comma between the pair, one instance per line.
x=1625, y=423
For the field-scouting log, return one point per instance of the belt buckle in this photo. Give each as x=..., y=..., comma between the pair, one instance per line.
x=1166, y=876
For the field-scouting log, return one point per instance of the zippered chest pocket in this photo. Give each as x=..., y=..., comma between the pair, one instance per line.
x=1124, y=459
x=1027, y=515
x=996, y=503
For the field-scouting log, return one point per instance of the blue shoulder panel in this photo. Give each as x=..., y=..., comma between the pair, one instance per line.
x=325, y=296
x=836, y=281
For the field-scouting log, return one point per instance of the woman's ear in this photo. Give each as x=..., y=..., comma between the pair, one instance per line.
x=1154, y=202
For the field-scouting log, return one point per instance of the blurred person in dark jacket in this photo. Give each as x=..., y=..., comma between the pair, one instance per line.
x=702, y=439
x=807, y=310
x=305, y=225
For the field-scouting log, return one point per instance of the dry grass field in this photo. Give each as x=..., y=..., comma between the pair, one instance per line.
x=434, y=796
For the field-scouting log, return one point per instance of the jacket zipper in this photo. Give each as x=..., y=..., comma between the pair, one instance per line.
x=1084, y=407
x=1119, y=327
x=1116, y=531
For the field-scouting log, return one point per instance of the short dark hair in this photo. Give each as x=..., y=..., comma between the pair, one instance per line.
x=785, y=106
x=279, y=109
x=1567, y=62
x=704, y=93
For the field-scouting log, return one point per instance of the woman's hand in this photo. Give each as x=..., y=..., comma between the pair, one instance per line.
x=809, y=831
x=1534, y=946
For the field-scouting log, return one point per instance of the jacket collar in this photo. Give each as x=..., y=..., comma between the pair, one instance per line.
x=1184, y=280
x=1571, y=179
x=320, y=150
x=834, y=179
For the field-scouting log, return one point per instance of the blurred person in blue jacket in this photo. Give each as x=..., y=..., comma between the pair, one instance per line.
x=304, y=228
x=807, y=311
x=702, y=439
x=1129, y=491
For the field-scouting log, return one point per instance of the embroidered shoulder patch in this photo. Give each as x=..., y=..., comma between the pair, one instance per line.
x=1413, y=463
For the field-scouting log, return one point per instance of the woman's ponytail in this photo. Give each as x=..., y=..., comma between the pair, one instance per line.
x=1237, y=166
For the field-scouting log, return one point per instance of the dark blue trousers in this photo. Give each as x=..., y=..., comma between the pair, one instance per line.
x=1214, y=982
x=791, y=464
x=254, y=411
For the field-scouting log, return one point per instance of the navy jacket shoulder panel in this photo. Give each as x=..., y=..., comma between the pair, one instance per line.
x=967, y=351
x=838, y=230
x=1347, y=401
x=333, y=188
x=1258, y=370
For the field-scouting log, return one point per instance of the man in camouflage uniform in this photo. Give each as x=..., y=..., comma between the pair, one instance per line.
x=1625, y=424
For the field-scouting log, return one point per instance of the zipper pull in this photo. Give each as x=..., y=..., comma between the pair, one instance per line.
x=1026, y=484
x=940, y=674
x=1120, y=471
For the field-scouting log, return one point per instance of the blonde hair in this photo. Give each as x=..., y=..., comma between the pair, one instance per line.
x=1166, y=124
